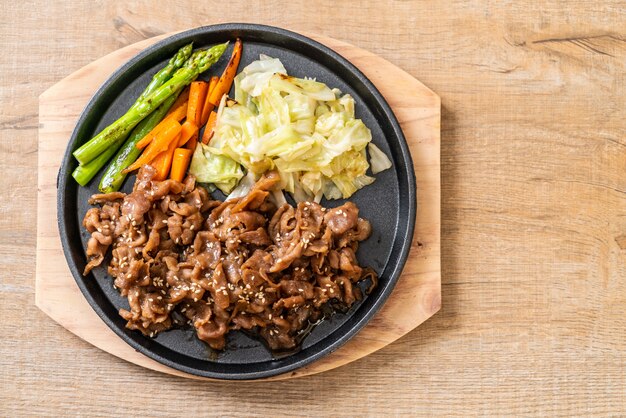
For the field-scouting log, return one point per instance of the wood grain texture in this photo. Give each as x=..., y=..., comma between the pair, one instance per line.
x=416, y=297
x=533, y=213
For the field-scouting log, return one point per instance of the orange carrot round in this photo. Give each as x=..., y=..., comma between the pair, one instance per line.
x=180, y=162
x=208, y=107
x=161, y=142
x=163, y=161
x=226, y=80
x=177, y=115
x=197, y=96
x=193, y=142
x=209, y=129
x=189, y=129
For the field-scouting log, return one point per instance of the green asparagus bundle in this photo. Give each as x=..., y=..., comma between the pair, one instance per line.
x=199, y=62
x=85, y=171
x=113, y=177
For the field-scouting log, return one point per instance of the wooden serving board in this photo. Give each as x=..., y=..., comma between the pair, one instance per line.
x=417, y=295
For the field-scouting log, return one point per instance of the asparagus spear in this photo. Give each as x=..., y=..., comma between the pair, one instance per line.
x=83, y=173
x=113, y=177
x=166, y=72
x=199, y=62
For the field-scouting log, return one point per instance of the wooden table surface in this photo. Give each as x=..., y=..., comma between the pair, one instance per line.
x=533, y=209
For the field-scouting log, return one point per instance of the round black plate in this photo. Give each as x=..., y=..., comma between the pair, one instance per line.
x=389, y=203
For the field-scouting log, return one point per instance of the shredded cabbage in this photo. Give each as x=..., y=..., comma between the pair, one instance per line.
x=244, y=186
x=298, y=126
x=211, y=167
x=378, y=159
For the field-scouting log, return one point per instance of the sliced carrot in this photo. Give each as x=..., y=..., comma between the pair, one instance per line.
x=163, y=161
x=208, y=129
x=180, y=102
x=208, y=107
x=146, y=140
x=160, y=143
x=180, y=162
x=193, y=142
x=226, y=80
x=189, y=129
x=197, y=96
x=178, y=115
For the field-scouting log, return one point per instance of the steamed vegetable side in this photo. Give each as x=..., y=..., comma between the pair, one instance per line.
x=301, y=127
x=87, y=169
x=199, y=62
x=170, y=145
x=157, y=102
x=114, y=175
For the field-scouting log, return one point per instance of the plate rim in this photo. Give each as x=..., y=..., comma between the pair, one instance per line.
x=405, y=237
